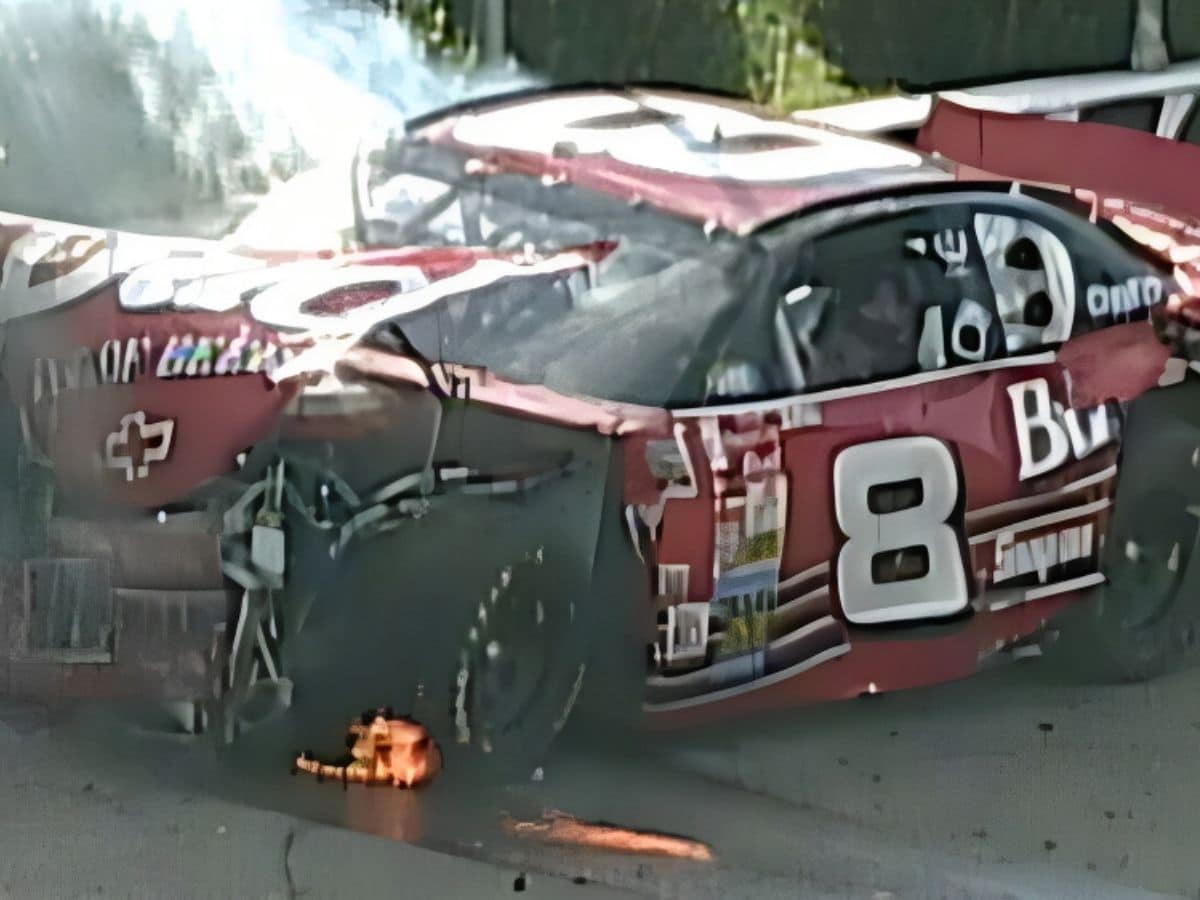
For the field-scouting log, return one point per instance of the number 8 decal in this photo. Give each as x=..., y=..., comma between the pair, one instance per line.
x=902, y=559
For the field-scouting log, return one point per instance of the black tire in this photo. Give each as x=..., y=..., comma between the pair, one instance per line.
x=521, y=664
x=582, y=664
x=1144, y=620
x=399, y=619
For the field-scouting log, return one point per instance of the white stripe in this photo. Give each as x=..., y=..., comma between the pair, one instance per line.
x=797, y=602
x=1013, y=597
x=765, y=681
x=875, y=387
x=1064, y=515
x=821, y=568
x=702, y=676
x=802, y=632
x=631, y=522
x=1074, y=584
x=1023, y=502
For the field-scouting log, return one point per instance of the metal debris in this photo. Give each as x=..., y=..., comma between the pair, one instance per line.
x=559, y=828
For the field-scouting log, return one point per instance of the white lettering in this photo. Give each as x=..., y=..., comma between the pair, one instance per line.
x=110, y=362
x=941, y=589
x=164, y=361
x=200, y=360
x=1118, y=300
x=80, y=371
x=230, y=362
x=1040, y=421
x=1097, y=300
x=1098, y=433
x=133, y=360
x=1041, y=554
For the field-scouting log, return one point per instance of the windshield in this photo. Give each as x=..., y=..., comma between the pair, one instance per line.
x=661, y=280
x=409, y=191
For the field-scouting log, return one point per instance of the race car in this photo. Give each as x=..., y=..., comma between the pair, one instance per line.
x=633, y=394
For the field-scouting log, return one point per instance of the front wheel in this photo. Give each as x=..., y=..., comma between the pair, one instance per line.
x=521, y=662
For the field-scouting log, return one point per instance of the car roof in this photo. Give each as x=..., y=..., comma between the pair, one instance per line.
x=699, y=157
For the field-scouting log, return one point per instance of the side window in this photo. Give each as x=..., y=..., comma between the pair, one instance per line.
x=951, y=284
x=1140, y=115
x=1030, y=272
x=1108, y=265
x=891, y=297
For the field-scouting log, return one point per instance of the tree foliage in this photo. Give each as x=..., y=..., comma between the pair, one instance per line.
x=768, y=50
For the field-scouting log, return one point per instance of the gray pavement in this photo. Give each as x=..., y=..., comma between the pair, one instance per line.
x=88, y=816
x=1018, y=783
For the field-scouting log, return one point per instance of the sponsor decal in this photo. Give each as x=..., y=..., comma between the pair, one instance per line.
x=182, y=356
x=1043, y=554
x=192, y=357
x=1123, y=300
x=135, y=445
x=1049, y=435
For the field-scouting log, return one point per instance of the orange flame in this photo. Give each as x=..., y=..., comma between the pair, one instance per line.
x=400, y=752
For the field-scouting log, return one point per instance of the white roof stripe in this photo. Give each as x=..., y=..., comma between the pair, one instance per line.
x=1065, y=92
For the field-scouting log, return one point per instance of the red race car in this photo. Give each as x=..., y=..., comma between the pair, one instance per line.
x=628, y=393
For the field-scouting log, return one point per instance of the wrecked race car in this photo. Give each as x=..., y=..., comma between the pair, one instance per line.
x=619, y=396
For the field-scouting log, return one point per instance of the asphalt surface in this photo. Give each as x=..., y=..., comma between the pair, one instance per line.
x=1018, y=783
x=89, y=816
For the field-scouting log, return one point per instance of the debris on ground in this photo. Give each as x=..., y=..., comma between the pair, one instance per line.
x=559, y=828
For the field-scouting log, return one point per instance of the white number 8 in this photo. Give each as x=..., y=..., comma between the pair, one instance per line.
x=879, y=538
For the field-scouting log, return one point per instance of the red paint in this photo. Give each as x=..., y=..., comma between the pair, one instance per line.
x=890, y=663
x=737, y=206
x=688, y=531
x=1109, y=159
x=1120, y=362
x=215, y=417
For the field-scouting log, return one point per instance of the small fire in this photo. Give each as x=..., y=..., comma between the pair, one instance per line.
x=383, y=750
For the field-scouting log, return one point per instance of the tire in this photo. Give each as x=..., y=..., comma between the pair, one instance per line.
x=1144, y=621
x=582, y=663
x=477, y=620
x=521, y=665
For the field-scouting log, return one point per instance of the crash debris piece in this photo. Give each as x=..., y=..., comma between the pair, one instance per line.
x=383, y=749
x=559, y=828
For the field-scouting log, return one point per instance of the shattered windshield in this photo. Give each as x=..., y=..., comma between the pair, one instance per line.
x=663, y=280
x=409, y=191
